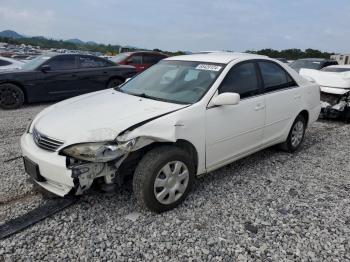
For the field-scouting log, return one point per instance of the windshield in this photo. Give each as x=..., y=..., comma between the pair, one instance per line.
x=335, y=69
x=33, y=64
x=309, y=64
x=182, y=82
x=119, y=58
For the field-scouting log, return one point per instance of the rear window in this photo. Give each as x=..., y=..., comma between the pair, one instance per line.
x=92, y=62
x=309, y=64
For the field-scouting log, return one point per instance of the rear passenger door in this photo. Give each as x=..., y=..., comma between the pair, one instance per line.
x=236, y=130
x=61, y=80
x=283, y=100
x=150, y=59
x=136, y=61
x=93, y=73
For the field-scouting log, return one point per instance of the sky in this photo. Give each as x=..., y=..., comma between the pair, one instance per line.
x=188, y=25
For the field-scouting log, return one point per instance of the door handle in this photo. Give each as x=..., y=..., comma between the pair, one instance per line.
x=297, y=96
x=259, y=107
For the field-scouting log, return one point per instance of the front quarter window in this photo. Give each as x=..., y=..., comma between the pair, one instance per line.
x=183, y=82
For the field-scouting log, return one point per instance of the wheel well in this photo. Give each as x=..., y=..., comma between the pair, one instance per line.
x=18, y=85
x=116, y=77
x=305, y=114
x=129, y=164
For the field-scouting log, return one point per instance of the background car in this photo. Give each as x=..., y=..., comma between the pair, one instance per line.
x=9, y=64
x=312, y=63
x=334, y=84
x=55, y=77
x=283, y=60
x=141, y=59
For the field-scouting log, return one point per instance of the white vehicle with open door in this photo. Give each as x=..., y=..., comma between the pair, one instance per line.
x=183, y=117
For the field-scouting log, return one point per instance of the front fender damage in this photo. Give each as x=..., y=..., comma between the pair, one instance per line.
x=84, y=173
x=335, y=103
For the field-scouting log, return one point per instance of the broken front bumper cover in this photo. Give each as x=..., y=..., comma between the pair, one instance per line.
x=335, y=103
x=64, y=175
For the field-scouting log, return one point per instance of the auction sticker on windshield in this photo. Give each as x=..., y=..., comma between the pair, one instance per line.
x=208, y=67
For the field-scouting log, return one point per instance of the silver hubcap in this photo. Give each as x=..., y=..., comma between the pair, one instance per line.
x=297, y=133
x=171, y=182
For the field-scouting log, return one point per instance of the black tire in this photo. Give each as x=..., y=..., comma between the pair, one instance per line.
x=288, y=145
x=150, y=167
x=115, y=82
x=11, y=96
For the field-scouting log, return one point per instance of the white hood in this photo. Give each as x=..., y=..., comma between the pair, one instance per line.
x=328, y=79
x=99, y=116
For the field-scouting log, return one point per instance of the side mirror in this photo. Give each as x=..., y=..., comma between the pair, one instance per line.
x=128, y=61
x=45, y=68
x=226, y=99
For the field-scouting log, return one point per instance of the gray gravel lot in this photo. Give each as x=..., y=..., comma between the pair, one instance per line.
x=271, y=206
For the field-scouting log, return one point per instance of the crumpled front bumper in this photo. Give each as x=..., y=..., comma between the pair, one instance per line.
x=335, y=103
x=52, y=167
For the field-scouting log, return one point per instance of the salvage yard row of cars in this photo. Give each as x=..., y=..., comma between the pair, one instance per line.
x=187, y=116
x=52, y=77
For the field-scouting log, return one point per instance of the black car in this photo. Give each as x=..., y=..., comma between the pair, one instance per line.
x=312, y=63
x=59, y=76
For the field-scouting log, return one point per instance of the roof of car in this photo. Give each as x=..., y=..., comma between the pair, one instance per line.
x=217, y=57
x=143, y=52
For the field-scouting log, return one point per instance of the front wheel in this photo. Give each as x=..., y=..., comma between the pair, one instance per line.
x=11, y=96
x=163, y=178
x=296, y=135
x=114, y=83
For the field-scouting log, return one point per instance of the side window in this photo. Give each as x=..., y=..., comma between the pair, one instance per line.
x=274, y=77
x=136, y=60
x=241, y=79
x=4, y=63
x=92, y=62
x=151, y=59
x=62, y=62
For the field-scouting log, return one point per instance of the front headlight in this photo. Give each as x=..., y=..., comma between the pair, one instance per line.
x=98, y=152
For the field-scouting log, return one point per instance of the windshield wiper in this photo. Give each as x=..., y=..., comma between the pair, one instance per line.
x=144, y=95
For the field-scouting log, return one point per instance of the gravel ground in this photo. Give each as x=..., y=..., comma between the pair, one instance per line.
x=271, y=206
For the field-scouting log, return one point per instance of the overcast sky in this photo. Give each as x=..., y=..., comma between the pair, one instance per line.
x=191, y=25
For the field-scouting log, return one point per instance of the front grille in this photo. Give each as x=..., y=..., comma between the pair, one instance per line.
x=45, y=142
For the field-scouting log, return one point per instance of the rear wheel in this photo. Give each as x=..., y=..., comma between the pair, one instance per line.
x=115, y=82
x=11, y=96
x=163, y=178
x=296, y=135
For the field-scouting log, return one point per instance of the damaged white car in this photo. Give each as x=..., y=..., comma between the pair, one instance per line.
x=334, y=82
x=183, y=117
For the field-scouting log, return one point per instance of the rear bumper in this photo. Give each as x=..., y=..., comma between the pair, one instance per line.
x=314, y=114
x=51, y=166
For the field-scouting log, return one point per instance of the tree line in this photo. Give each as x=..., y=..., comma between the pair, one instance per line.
x=292, y=54
x=61, y=44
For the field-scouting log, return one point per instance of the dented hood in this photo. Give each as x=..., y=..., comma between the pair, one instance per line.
x=328, y=79
x=98, y=116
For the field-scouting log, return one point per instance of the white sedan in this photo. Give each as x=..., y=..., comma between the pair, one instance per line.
x=183, y=117
x=9, y=64
x=334, y=82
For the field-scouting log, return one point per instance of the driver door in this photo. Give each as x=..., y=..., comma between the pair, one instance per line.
x=233, y=131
